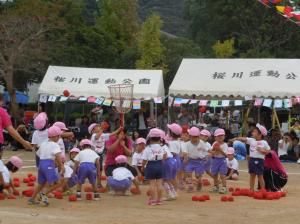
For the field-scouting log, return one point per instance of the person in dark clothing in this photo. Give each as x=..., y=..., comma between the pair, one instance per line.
x=84, y=128
x=141, y=123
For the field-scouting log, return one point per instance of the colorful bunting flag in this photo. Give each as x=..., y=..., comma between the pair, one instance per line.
x=52, y=98
x=258, y=102
x=170, y=101
x=193, y=101
x=225, y=103
x=203, y=103
x=214, y=103
x=157, y=100
x=278, y=103
x=63, y=99
x=43, y=98
x=238, y=103
x=177, y=102
x=287, y=103
x=267, y=102
x=107, y=102
x=136, y=104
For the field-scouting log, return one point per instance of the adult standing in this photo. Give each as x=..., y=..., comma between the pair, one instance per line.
x=184, y=118
x=162, y=120
x=5, y=123
x=84, y=127
x=141, y=123
x=275, y=175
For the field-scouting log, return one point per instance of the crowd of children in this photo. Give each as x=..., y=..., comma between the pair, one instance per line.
x=169, y=162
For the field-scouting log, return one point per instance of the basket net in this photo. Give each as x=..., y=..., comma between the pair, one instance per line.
x=121, y=95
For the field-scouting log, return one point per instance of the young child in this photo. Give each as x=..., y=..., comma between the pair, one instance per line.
x=86, y=166
x=137, y=160
x=63, y=128
x=218, y=164
x=195, y=155
x=40, y=135
x=13, y=165
x=121, y=178
x=153, y=157
x=73, y=153
x=175, y=147
x=232, y=165
x=49, y=153
x=204, y=136
x=98, y=140
x=258, y=149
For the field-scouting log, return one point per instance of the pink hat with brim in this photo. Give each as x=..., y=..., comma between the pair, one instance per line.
x=175, y=128
x=121, y=159
x=85, y=142
x=262, y=129
x=205, y=132
x=54, y=131
x=75, y=150
x=194, y=131
x=16, y=161
x=40, y=121
x=154, y=133
x=230, y=151
x=219, y=132
x=61, y=125
x=141, y=141
x=91, y=127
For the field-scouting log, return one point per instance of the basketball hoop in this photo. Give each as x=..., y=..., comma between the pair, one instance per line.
x=121, y=95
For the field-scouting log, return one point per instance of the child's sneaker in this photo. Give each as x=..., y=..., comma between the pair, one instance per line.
x=31, y=201
x=96, y=196
x=78, y=196
x=127, y=193
x=151, y=202
x=44, y=199
x=223, y=190
x=215, y=189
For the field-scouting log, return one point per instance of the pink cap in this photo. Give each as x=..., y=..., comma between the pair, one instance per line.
x=194, y=131
x=75, y=150
x=40, y=121
x=219, y=132
x=61, y=125
x=155, y=133
x=85, y=142
x=16, y=161
x=230, y=151
x=54, y=131
x=140, y=141
x=262, y=129
x=205, y=132
x=175, y=128
x=121, y=159
x=91, y=127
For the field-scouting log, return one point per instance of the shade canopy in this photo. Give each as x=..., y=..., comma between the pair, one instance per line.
x=225, y=78
x=95, y=81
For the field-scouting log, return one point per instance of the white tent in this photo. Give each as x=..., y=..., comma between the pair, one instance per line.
x=225, y=78
x=95, y=81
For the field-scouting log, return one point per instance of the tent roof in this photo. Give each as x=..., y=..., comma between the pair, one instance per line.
x=95, y=81
x=237, y=78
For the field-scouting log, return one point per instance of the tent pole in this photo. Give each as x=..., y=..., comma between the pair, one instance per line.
x=273, y=119
x=258, y=115
x=289, y=119
x=245, y=119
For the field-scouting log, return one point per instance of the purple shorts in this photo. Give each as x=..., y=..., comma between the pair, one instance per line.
x=73, y=180
x=178, y=162
x=89, y=171
x=207, y=165
x=218, y=166
x=196, y=165
x=47, y=172
x=118, y=185
x=154, y=170
x=256, y=166
x=170, y=169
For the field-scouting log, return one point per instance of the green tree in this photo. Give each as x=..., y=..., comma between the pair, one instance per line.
x=225, y=49
x=150, y=48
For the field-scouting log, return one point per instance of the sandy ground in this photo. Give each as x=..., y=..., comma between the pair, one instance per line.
x=117, y=210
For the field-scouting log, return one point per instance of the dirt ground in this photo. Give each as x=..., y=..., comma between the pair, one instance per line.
x=119, y=210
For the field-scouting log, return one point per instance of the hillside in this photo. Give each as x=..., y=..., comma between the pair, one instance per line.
x=171, y=11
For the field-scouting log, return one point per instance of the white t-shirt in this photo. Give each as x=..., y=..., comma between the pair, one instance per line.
x=284, y=149
x=137, y=159
x=232, y=164
x=198, y=151
x=68, y=171
x=99, y=143
x=86, y=156
x=48, y=150
x=224, y=148
x=154, y=152
x=175, y=146
x=38, y=137
x=70, y=163
x=257, y=144
x=62, y=146
x=122, y=173
x=5, y=173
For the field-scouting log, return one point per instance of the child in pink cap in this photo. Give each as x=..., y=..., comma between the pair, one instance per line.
x=258, y=149
x=137, y=157
x=205, y=136
x=153, y=157
x=72, y=154
x=232, y=165
x=218, y=164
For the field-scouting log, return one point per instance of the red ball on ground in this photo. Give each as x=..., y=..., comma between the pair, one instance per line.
x=224, y=198
x=58, y=195
x=72, y=198
x=201, y=198
x=102, y=190
x=237, y=189
x=16, y=179
x=277, y=195
x=29, y=175
x=16, y=184
x=16, y=193
x=206, y=196
x=30, y=184
x=194, y=198
x=135, y=191
x=26, y=180
x=230, y=198
x=2, y=196
x=88, y=188
x=89, y=196
x=231, y=189
x=32, y=178
x=251, y=193
x=283, y=194
x=269, y=197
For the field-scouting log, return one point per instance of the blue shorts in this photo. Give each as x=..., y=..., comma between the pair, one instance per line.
x=207, y=165
x=218, y=166
x=89, y=171
x=256, y=166
x=154, y=170
x=178, y=162
x=47, y=172
x=73, y=180
x=196, y=165
x=118, y=185
x=169, y=169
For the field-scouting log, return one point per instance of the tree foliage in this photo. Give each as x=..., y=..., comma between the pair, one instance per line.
x=224, y=49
